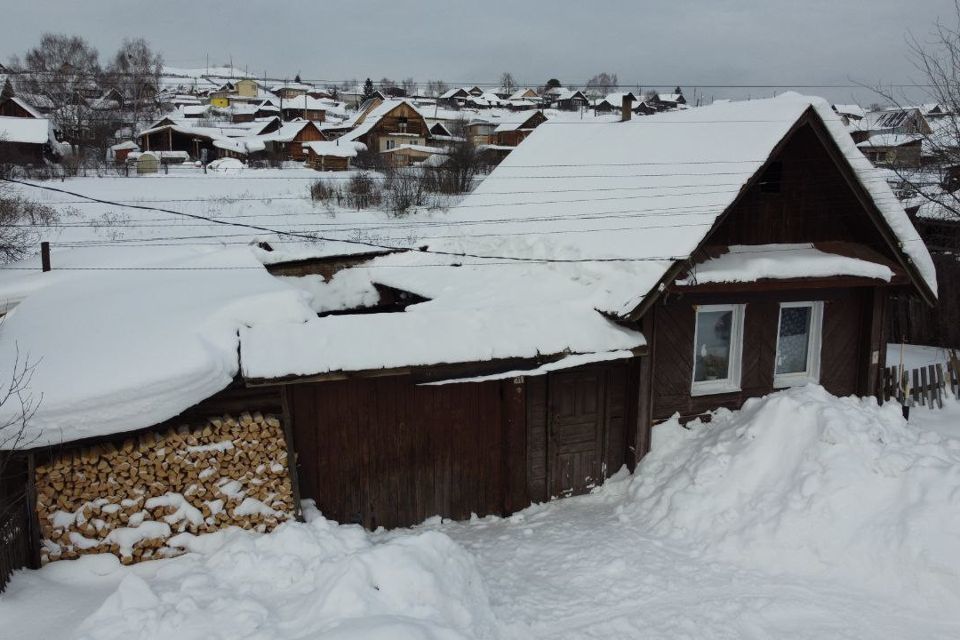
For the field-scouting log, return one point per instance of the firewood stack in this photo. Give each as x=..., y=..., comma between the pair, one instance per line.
x=131, y=499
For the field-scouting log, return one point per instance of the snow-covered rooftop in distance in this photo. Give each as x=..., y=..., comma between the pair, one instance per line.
x=335, y=148
x=749, y=263
x=24, y=130
x=643, y=193
x=890, y=140
x=854, y=110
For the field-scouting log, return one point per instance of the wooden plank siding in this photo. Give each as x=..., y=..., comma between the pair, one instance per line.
x=846, y=340
x=389, y=452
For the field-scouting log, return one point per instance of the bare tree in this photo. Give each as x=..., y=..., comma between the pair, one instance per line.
x=507, y=83
x=937, y=58
x=409, y=86
x=135, y=72
x=63, y=72
x=20, y=223
x=603, y=83
x=463, y=162
x=437, y=88
x=17, y=407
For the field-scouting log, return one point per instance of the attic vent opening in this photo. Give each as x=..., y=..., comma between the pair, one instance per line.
x=772, y=178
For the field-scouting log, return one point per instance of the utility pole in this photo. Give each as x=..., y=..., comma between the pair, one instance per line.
x=45, y=256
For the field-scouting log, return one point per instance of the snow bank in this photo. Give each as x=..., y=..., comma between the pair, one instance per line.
x=316, y=580
x=802, y=482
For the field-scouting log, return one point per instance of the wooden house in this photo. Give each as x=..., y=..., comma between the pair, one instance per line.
x=386, y=124
x=331, y=155
x=613, y=102
x=305, y=107
x=893, y=149
x=568, y=99
x=452, y=389
x=25, y=140
x=290, y=140
x=517, y=127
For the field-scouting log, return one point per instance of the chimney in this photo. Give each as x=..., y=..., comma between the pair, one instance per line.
x=626, y=107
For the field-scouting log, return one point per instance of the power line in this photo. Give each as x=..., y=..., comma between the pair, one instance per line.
x=313, y=237
x=500, y=261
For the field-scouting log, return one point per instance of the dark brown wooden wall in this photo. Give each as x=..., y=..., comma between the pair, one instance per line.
x=844, y=351
x=814, y=203
x=387, y=452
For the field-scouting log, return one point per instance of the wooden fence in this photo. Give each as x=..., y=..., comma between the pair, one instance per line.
x=15, y=547
x=925, y=386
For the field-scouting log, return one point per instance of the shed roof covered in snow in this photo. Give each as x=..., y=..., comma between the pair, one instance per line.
x=24, y=130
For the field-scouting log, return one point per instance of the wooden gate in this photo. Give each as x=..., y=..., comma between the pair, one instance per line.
x=575, y=443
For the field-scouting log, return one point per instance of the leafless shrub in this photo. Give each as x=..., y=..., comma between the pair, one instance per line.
x=363, y=191
x=20, y=223
x=18, y=406
x=405, y=189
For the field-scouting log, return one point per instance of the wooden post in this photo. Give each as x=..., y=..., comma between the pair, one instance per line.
x=941, y=385
x=293, y=459
x=45, y=256
x=626, y=108
x=33, y=526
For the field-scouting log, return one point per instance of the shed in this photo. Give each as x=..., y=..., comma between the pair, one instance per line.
x=148, y=162
x=331, y=155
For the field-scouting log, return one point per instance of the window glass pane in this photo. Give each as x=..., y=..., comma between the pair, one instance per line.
x=712, y=355
x=794, y=339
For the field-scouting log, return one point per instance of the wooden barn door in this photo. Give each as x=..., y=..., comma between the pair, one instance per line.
x=575, y=432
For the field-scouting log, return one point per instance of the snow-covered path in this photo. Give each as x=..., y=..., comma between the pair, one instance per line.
x=579, y=569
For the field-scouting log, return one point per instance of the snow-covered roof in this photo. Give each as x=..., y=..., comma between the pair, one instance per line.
x=306, y=102
x=588, y=192
x=890, y=140
x=521, y=94
x=143, y=345
x=420, y=148
x=514, y=120
x=24, y=130
x=749, y=263
x=334, y=148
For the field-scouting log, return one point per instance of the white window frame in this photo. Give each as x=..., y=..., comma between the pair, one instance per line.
x=731, y=384
x=812, y=373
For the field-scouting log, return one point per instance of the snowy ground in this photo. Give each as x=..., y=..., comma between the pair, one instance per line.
x=801, y=516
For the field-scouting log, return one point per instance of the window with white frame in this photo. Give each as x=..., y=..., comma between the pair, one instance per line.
x=718, y=346
x=798, y=344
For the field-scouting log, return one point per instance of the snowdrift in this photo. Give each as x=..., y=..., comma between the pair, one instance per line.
x=319, y=580
x=802, y=482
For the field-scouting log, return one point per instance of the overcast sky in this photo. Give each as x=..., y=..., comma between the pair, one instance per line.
x=688, y=42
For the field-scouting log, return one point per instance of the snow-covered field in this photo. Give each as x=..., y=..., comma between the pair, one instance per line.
x=800, y=516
